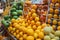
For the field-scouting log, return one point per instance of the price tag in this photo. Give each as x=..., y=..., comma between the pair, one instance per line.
x=37, y=1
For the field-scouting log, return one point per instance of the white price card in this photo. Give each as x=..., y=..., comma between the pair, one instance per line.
x=37, y=1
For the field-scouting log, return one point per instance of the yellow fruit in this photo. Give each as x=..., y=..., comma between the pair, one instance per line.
x=34, y=27
x=57, y=5
x=13, y=20
x=29, y=14
x=41, y=35
x=32, y=22
x=37, y=19
x=59, y=23
x=54, y=21
x=21, y=33
x=38, y=23
x=53, y=26
x=30, y=38
x=33, y=10
x=58, y=27
x=14, y=33
x=51, y=5
x=29, y=27
x=56, y=11
x=25, y=36
x=49, y=20
x=17, y=36
x=10, y=28
x=34, y=6
x=34, y=15
x=13, y=29
x=21, y=38
x=44, y=25
x=26, y=24
x=37, y=31
x=35, y=35
x=17, y=31
x=49, y=15
x=38, y=39
x=29, y=21
x=55, y=16
x=30, y=32
x=39, y=28
x=51, y=10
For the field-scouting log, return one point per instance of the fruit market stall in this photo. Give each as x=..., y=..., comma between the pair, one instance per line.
x=33, y=20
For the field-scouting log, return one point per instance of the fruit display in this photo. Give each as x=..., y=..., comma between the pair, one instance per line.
x=54, y=12
x=15, y=12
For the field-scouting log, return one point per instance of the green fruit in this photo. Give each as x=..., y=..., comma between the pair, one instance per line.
x=51, y=35
x=47, y=30
x=14, y=13
x=13, y=9
x=57, y=33
x=21, y=7
x=57, y=38
x=15, y=17
x=6, y=17
x=47, y=37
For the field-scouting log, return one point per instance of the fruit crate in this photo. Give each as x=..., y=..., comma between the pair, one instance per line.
x=53, y=13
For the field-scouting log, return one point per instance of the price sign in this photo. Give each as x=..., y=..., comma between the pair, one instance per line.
x=37, y=1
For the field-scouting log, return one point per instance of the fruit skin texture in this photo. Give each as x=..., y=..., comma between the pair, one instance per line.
x=30, y=38
x=54, y=21
x=58, y=27
x=47, y=38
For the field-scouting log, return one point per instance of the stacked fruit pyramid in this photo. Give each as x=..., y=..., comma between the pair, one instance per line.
x=15, y=12
x=29, y=27
x=54, y=14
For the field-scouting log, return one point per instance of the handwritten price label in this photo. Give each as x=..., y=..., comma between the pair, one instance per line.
x=37, y=1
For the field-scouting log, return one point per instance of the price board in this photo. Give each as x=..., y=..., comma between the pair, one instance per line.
x=37, y=1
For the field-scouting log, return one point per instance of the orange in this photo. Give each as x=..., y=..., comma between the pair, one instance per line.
x=57, y=5
x=29, y=21
x=31, y=18
x=54, y=27
x=34, y=15
x=34, y=27
x=39, y=28
x=21, y=33
x=37, y=31
x=51, y=5
x=17, y=31
x=21, y=38
x=13, y=20
x=33, y=10
x=54, y=21
x=51, y=10
x=28, y=2
x=17, y=36
x=49, y=15
x=38, y=23
x=38, y=39
x=25, y=36
x=55, y=16
x=49, y=20
x=34, y=6
x=41, y=35
x=44, y=25
x=59, y=23
x=32, y=22
x=30, y=38
x=56, y=11
x=14, y=33
x=58, y=27
x=29, y=14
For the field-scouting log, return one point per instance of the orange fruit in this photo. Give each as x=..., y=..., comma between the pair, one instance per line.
x=25, y=36
x=37, y=31
x=54, y=22
x=28, y=2
x=32, y=22
x=34, y=6
x=21, y=34
x=58, y=27
x=49, y=20
x=29, y=21
x=51, y=10
x=51, y=5
x=14, y=33
x=49, y=15
x=55, y=16
x=29, y=14
x=33, y=10
x=56, y=11
x=39, y=28
x=38, y=23
x=54, y=27
x=41, y=35
x=21, y=38
x=43, y=25
x=57, y=5
x=17, y=31
x=34, y=15
x=59, y=23
x=34, y=27
x=17, y=36
x=13, y=20
x=38, y=39
x=30, y=38
x=31, y=18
